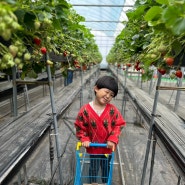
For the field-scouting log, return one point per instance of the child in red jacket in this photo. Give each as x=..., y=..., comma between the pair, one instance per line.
x=100, y=122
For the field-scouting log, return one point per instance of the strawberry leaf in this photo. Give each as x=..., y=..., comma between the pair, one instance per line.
x=163, y=2
x=173, y=18
x=154, y=13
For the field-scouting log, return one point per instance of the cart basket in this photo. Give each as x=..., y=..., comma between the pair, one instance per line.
x=94, y=169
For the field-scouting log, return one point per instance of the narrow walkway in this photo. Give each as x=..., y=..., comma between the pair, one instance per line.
x=18, y=135
x=132, y=142
x=168, y=122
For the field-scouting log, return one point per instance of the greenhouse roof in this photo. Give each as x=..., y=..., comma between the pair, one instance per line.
x=104, y=18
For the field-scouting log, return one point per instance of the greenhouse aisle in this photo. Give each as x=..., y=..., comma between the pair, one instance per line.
x=132, y=148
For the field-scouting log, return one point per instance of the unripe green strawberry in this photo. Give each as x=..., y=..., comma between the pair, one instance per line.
x=7, y=34
x=13, y=16
x=2, y=27
x=3, y=12
x=172, y=76
x=32, y=74
x=13, y=50
x=27, y=56
x=47, y=21
x=37, y=24
x=7, y=19
x=7, y=57
x=20, y=66
x=18, y=43
x=15, y=26
x=10, y=63
x=17, y=61
x=3, y=66
x=48, y=39
x=19, y=54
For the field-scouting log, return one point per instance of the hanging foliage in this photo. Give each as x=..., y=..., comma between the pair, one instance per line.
x=154, y=36
x=27, y=26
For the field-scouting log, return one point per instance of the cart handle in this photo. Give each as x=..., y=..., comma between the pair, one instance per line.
x=79, y=144
x=98, y=145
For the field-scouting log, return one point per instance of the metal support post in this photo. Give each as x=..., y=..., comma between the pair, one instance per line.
x=117, y=72
x=15, y=112
x=121, y=168
x=26, y=98
x=81, y=90
x=179, y=180
x=54, y=80
x=54, y=120
x=152, y=123
x=138, y=78
x=51, y=151
x=25, y=174
x=151, y=83
x=178, y=91
x=153, y=156
x=19, y=178
x=124, y=93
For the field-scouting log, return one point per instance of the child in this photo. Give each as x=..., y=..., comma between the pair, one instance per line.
x=100, y=122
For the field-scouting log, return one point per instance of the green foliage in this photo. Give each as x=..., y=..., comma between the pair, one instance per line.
x=155, y=30
x=51, y=24
x=174, y=19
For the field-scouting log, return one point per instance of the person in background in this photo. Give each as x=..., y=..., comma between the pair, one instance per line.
x=99, y=121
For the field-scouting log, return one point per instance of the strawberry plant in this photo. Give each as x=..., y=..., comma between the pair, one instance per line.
x=153, y=34
x=27, y=26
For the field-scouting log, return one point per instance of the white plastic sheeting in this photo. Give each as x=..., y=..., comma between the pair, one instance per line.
x=104, y=18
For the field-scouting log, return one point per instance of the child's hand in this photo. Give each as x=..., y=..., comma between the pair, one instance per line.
x=111, y=145
x=86, y=143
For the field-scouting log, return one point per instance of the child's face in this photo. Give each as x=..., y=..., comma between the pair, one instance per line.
x=103, y=95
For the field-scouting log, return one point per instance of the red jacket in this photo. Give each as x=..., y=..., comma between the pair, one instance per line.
x=99, y=129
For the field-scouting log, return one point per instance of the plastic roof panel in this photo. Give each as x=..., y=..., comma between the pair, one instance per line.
x=104, y=18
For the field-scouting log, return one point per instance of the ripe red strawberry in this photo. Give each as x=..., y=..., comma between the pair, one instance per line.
x=65, y=53
x=178, y=73
x=76, y=62
x=169, y=61
x=128, y=65
x=43, y=50
x=138, y=68
x=162, y=70
x=37, y=41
